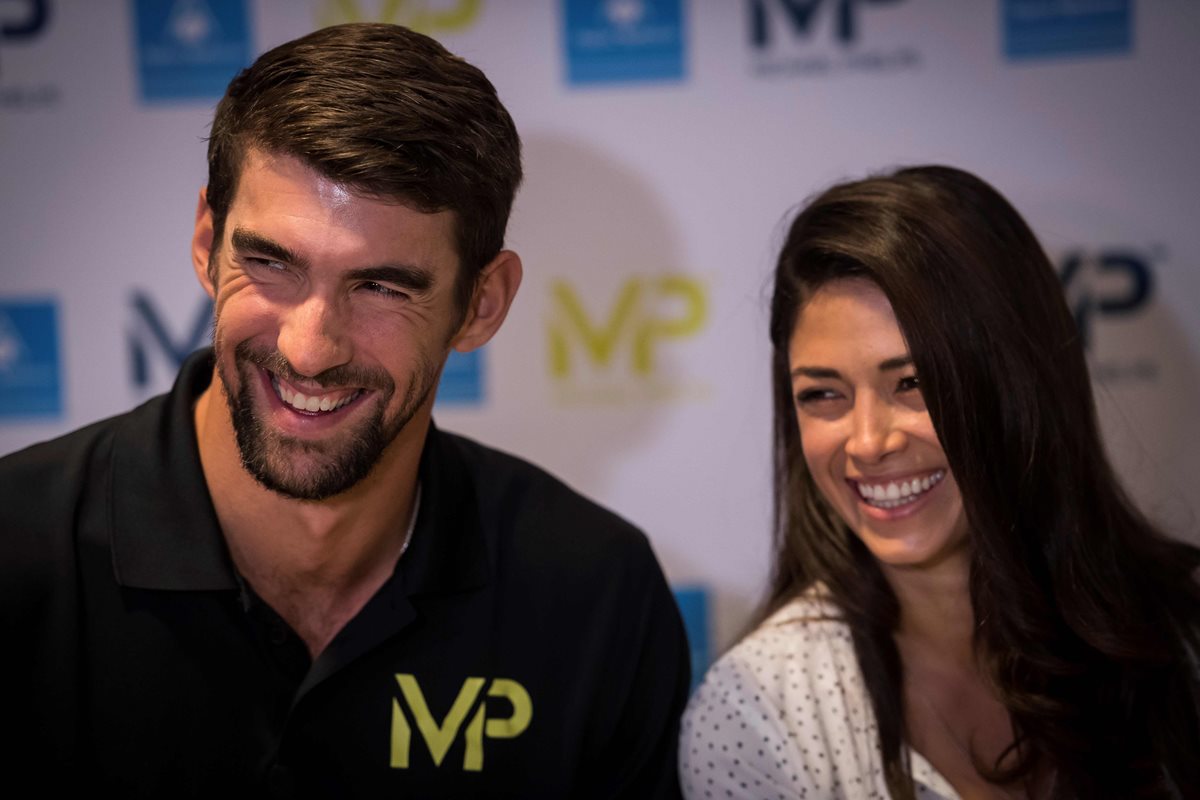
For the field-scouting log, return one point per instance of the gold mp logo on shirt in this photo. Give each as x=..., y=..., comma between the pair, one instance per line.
x=439, y=737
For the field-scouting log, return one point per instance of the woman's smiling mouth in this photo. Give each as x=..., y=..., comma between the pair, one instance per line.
x=896, y=493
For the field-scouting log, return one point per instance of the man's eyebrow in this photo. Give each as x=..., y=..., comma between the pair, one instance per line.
x=411, y=278
x=245, y=241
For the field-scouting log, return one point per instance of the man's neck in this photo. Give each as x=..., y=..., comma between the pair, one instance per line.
x=317, y=563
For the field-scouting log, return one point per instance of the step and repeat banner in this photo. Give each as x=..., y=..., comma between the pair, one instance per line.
x=666, y=142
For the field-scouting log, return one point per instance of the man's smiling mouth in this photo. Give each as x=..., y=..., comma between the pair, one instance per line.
x=893, y=494
x=313, y=403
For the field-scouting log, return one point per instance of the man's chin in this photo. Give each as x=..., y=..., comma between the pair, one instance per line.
x=306, y=469
x=295, y=485
x=323, y=466
x=303, y=470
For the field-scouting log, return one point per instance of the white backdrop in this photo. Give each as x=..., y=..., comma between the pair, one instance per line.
x=634, y=363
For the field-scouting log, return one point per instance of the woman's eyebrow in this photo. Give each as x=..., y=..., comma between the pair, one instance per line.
x=825, y=373
x=819, y=373
x=898, y=362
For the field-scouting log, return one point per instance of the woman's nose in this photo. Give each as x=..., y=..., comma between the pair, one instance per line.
x=874, y=434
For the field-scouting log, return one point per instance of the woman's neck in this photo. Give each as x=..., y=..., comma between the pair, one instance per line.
x=935, y=606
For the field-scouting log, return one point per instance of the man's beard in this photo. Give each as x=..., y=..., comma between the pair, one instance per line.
x=334, y=464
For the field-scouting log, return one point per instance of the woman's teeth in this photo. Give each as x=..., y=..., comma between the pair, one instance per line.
x=898, y=493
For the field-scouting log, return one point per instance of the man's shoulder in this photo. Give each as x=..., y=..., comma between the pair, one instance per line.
x=44, y=470
x=529, y=508
x=53, y=466
x=46, y=489
x=500, y=477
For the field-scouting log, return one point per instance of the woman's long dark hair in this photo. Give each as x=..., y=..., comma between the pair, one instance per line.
x=1087, y=616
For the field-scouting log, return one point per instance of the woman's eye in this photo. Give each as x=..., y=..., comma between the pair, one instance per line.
x=810, y=397
x=909, y=383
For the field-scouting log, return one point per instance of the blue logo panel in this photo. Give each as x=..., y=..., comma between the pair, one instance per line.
x=30, y=368
x=621, y=41
x=1046, y=28
x=693, y=605
x=190, y=49
x=462, y=380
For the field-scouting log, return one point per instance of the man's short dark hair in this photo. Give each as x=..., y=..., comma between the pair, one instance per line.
x=387, y=112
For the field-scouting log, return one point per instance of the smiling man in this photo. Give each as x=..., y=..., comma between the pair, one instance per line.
x=281, y=579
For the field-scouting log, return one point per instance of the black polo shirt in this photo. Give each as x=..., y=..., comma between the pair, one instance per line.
x=526, y=645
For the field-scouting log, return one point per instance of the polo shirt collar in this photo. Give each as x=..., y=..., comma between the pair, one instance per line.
x=448, y=551
x=165, y=533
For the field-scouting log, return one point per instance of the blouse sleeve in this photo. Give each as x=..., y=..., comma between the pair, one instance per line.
x=733, y=742
x=784, y=715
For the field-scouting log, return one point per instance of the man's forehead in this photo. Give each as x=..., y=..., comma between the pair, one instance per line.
x=259, y=160
x=269, y=179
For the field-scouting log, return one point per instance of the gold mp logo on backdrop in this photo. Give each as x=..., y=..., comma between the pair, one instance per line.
x=427, y=16
x=619, y=352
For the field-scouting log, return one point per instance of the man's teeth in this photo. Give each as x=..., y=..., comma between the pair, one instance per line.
x=303, y=402
x=898, y=493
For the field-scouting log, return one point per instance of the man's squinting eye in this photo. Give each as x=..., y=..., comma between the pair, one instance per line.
x=263, y=264
x=383, y=290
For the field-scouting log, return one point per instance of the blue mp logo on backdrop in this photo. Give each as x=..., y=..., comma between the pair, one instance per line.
x=815, y=38
x=30, y=364
x=149, y=335
x=1105, y=287
x=23, y=22
x=1111, y=283
x=190, y=49
x=621, y=41
x=1047, y=28
x=462, y=379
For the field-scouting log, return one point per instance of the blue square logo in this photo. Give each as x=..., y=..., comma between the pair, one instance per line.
x=1048, y=28
x=622, y=41
x=462, y=380
x=189, y=49
x=693, y=606
x=30, y=370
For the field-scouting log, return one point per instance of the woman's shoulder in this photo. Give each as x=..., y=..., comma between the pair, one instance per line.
x=785, y=709
x=809, y=628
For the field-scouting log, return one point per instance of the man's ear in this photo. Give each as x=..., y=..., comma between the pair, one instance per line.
x=202, y=243
x=494, y=292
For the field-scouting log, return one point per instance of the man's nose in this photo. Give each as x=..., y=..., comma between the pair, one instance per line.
x=313, y=335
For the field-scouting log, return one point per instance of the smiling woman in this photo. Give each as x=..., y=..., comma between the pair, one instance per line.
x=964, y=602
x=866, y=435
